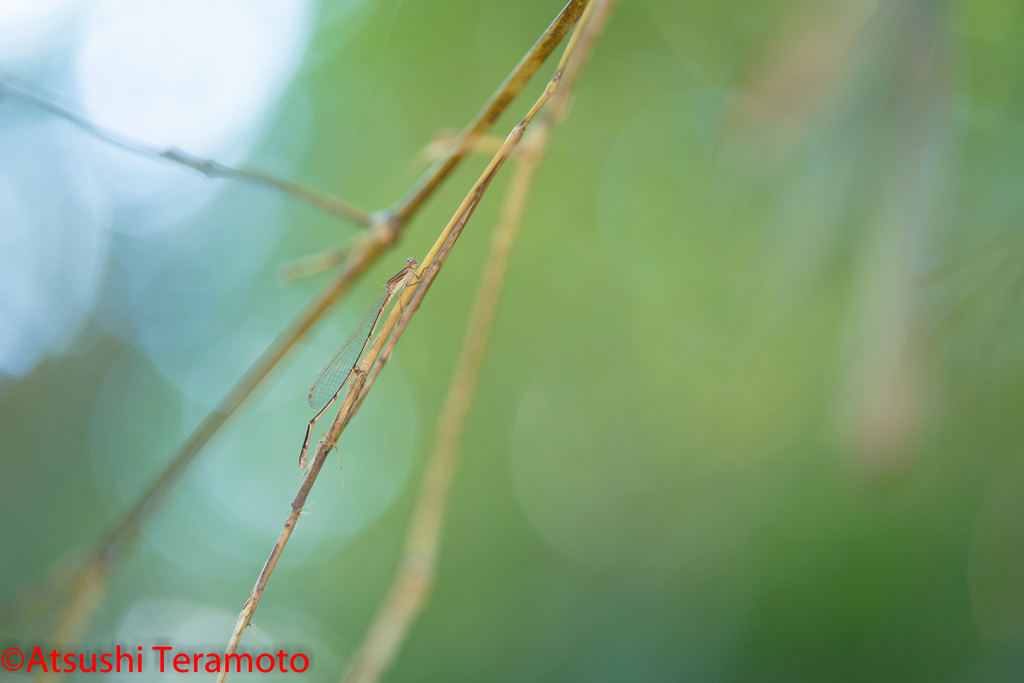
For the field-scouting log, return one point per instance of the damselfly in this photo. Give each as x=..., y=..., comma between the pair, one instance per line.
x=342, y=367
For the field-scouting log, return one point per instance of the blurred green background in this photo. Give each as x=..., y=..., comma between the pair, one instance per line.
x=750, y=411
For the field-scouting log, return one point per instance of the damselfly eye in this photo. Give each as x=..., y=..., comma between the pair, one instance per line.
x=412, y=262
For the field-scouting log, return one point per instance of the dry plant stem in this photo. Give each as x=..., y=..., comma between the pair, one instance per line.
x=316, y=198
x=293, y=516
x=414, y=578
x=412, y=583
x=559, y=107
x=439, y=254
x=322, y=200
x=483, y=121
x=396, y=322
x=557, y=111
x=90, y=582
x=408, y=303
x=366, y=250
x=471, y=138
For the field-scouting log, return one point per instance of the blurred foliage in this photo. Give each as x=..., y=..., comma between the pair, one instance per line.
x=749, y=412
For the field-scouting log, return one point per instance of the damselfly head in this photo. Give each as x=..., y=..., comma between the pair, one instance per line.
x=413, y=263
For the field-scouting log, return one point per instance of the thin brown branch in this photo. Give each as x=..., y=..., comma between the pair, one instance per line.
x=545, y=45
x=397, y=321
x=470, y=138
x=405, y=308
x=318, y=198
x=367, y=248
x=89, y=584
x=553, y=116
x=412, y=583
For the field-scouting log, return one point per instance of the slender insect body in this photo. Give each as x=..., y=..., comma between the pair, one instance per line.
x=333, y=378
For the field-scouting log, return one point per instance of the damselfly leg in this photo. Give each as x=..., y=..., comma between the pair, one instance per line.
x=336, y=375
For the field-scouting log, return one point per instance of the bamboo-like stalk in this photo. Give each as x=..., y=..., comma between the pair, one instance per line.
x=413, y=580
x=396, y=323
x=387, y=227
x=545, y=45
x=345, y=412
x=414, y=577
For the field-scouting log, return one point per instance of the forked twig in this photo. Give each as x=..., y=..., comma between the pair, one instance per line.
x=396, y=323
x=413, y=580
x=211, y=169
x=386, y=229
